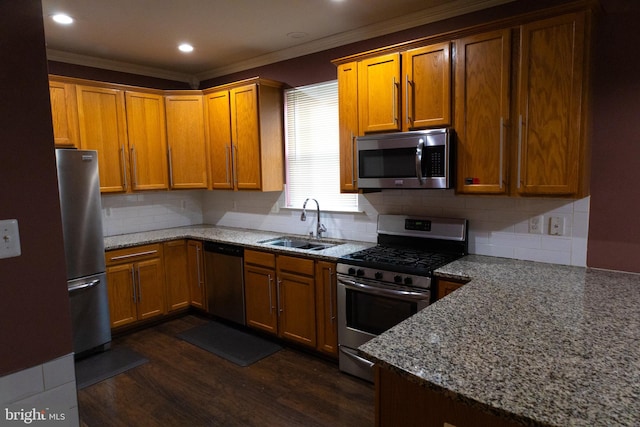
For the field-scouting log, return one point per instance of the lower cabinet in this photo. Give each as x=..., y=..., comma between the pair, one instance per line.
x=445, y=287
x=195, y=268
x=326, y=308
x=280, y=295
x=176, y=274
x=135, y=281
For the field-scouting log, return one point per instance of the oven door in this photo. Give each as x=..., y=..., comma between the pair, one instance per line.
x=367, y=308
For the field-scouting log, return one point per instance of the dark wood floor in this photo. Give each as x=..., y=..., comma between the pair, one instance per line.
x=182, y=385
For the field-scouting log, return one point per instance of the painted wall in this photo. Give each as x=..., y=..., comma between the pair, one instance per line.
x=34, y=304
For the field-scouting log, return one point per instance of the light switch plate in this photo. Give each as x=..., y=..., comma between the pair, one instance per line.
x=9, y=238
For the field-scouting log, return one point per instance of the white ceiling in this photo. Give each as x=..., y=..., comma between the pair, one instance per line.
x=141, y=36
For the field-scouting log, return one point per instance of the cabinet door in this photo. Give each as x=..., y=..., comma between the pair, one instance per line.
x=219, y=134
x=297, y=310
x=147, y=140
x=186, y=141
x=482, y=111
x=445, y=287
x=550, y=114
x=348, y=113
x=195, y=266
x=246, y=137
x=64, y=112
x=176, y=274
x=426, y=89
x=260, y=298
x=150, y=293
x=103, y=127
x=378, y=93
x=122, y=302
x=326, y=316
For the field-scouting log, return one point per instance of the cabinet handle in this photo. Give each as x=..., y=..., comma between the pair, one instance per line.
x=270, y=294
x=124, y=169
x=134, y=161
x=198, y=266
x=116, y=258
x=406, y=96
x=331, y=314
x=133, y=282
x=234, y=161
x=501, y=150
x=170, y=168
x=280, y=308
x=519, y=148
x=139, y=288
x=354, y=160
x=394, y=100
x=227, y=149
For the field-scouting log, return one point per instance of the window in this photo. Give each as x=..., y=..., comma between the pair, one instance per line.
x=312, y=145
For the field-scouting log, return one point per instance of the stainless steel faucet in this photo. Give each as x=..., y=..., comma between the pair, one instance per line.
x=320, y=228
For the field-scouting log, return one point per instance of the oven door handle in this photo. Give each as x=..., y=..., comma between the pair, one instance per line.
x=352, y=354
x=356, y=286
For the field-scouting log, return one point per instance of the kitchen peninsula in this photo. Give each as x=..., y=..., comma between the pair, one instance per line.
x=524, y=343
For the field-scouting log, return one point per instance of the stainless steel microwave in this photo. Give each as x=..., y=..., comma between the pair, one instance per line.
x=417, y=159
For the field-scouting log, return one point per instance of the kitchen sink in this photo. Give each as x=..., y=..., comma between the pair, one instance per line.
x=298, y=243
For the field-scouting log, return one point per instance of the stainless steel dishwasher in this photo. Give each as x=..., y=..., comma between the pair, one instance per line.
x=224, y=279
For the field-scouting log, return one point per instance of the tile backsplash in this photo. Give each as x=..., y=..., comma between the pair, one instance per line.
x=498, y=226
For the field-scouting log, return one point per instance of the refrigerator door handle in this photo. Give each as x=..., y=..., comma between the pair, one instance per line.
x=85, y=285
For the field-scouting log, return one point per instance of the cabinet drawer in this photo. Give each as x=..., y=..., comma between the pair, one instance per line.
x=134, y=254
x=264, y=259
x=296, y=265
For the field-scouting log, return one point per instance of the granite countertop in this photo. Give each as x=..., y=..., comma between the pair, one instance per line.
x=249, y=239
x=540, y=344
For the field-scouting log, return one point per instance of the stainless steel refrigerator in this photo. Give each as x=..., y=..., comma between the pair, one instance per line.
x=81, y=208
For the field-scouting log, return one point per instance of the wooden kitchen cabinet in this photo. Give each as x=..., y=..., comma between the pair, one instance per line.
x=103, y=127
x=135, y=282
x=482, y=104
x=245, y=132
x=379, y=93
x=280, y=296
x=260, y=291
x=64, y=112
x=187, y=151
x=445, y=287
x=195, y=269
x=348, y=125
x=326, y=308
x=147, y=140
x=176, y=274
x=426, y=91
x=551, y=156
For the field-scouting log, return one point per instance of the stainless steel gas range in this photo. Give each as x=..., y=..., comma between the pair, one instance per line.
x=381, y=286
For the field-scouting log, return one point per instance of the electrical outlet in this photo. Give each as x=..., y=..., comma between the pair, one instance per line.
x=535, y=224
x=9, y=239
x=556, y=225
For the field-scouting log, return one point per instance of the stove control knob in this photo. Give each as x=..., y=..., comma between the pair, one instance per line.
x=351, y=271
x=408, y=281
x=360, y=272
x=378, y=275
x=397, y=279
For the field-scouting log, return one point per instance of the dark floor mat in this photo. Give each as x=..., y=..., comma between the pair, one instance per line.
x=101, y=366
x=229, y=343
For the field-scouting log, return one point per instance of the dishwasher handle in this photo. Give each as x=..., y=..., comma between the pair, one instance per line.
x=224, y=248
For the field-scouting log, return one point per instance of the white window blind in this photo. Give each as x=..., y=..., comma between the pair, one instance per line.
x=313, y=155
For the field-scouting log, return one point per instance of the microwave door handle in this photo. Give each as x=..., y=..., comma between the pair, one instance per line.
x=419, y=150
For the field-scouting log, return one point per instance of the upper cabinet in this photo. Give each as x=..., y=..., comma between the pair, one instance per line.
x=64, y=111
x=187, y=150
x=482, y=102
x=551, y=152
x=246, y=135
x=348, y=125
x=103, y=127
x=379, y=93
x=427, y=87
x=147, y=140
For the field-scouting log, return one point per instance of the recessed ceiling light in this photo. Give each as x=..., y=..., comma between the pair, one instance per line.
x=185, y=47
x=62, y=18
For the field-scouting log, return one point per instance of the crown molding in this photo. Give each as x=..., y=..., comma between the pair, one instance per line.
x=426, y=16
x=125, y=67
